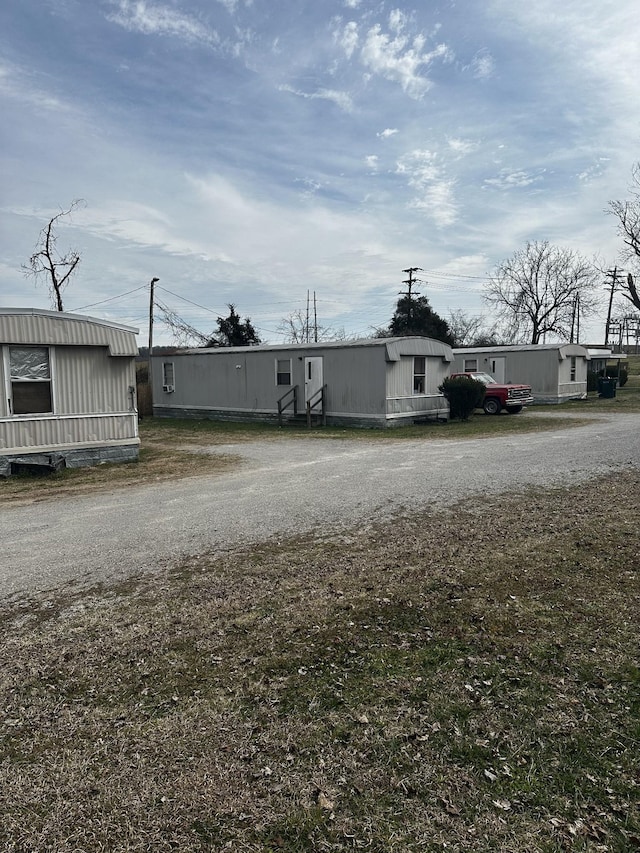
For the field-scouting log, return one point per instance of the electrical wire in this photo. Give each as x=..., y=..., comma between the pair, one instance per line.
x=111, y=298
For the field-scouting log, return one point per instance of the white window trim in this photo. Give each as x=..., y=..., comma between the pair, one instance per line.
x=290, y=371
x=8, y=395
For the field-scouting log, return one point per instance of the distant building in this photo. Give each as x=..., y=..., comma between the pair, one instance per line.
x=556, y=372
x=70, y=390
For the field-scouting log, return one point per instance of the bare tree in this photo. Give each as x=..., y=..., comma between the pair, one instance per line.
x=297, y=328
x=47, y=263
x=540, y=290
x=628, y=216
x=469, y=330
x=183, y=333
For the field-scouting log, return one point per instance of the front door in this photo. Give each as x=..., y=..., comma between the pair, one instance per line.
x=313, y=380
x=498, y=368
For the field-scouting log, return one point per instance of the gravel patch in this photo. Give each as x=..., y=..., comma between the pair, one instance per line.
x=291, y=486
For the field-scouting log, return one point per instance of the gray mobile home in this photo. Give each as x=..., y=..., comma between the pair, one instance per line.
x=368, y=383
x=556, y=372
x=70, y=390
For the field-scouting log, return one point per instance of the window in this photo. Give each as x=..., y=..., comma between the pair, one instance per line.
x=470, y=365
x=283, y=371
x=573, y=368
x=419, y=374
x=30, y=380
x=168, y=375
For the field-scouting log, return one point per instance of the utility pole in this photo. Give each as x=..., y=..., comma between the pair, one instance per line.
x=613, y=275
x=151, y=292
x=315, y=319
x=575, y=319
x=408, y=293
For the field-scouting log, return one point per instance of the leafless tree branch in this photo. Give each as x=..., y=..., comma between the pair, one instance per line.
x=47, y=263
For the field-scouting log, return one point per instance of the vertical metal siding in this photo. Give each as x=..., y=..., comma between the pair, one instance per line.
x=59, y=328
x=87, y=380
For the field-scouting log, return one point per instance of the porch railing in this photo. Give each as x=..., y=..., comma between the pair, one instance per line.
x=317, y=400
x=289, y=398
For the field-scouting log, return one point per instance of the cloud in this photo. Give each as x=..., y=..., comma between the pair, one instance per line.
x=462, y=146
x=145, y=227
x=387, y=132
x=507, y=180
x=16, y=83
x=349, y=38
x=372, y=162
x=400, y=58
x=341, y=99
x=154, y=19
x=434, y=193
x=483, y=65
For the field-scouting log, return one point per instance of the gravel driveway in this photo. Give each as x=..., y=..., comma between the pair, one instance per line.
x=289, y=486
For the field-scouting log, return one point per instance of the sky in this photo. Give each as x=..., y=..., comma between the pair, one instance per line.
x=273, y=153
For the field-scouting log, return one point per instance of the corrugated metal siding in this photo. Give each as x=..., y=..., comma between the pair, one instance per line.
x=87, y=380
x=26, y=434
x=4, y=405
x=400, y=376
x=52, y=327
x=398, y=347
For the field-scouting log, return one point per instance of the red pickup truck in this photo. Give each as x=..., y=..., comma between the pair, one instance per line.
x=499, y=396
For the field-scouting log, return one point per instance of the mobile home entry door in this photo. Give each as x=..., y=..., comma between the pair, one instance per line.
x=497, y=370
x=313, y=380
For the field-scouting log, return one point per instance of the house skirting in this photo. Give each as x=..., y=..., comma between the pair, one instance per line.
x=77, y=457
x=355, y=420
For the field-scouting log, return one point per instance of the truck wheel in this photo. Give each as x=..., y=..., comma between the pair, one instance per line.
x=491, y=406
x=513, y=410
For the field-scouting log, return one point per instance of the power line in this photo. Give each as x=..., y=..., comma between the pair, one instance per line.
x=112, y=298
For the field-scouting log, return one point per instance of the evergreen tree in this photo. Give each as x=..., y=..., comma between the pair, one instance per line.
x=414, y=316
x=233, y=332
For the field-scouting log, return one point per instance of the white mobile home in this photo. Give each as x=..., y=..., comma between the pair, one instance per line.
x=69, y=390
x=368, y=383
x=556, y=372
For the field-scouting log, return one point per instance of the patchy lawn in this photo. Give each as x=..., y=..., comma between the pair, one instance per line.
x=462, y=680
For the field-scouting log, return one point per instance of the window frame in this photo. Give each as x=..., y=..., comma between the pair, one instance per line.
x=13, y=380
x=470, y=365
x=281, y=374
x=573, y=368
x=419, y=376
x=165, y=374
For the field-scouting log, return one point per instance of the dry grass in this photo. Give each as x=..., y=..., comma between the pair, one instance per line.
x=442, y=683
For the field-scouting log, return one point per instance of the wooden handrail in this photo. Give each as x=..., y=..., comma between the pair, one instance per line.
x=320, y=394
x=283, y=403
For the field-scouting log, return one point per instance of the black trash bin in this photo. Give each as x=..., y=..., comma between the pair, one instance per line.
x=606, y=387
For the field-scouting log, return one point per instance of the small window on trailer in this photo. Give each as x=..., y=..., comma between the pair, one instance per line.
x=470, y=365
x=419, y=374
x=574, y=362
x=30, y=372
x=283, y=371
x=168, y=376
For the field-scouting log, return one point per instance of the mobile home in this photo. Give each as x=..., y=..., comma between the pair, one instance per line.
x=556, y=372
x=70, y=390
x=367, y=383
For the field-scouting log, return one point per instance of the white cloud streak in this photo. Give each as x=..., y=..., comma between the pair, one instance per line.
x=341, y=99
x=434, y=193
x=155, y=19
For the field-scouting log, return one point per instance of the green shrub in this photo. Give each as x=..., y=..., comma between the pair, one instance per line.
x=619, y=372
x=463, y=394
